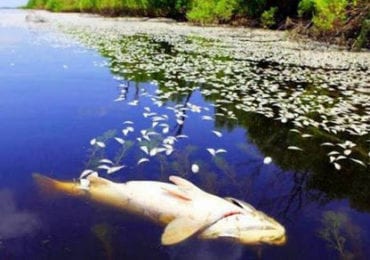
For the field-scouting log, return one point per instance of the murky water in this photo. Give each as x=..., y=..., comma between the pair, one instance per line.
x=292, y=141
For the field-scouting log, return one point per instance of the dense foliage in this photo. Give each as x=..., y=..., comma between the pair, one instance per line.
x=346, y=19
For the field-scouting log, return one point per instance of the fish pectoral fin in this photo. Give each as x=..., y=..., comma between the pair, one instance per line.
x=180, y=229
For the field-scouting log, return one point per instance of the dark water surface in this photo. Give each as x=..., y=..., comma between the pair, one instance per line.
x=55, y=100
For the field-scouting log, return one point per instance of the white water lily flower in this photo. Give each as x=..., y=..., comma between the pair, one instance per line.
x=195, y=168
x=267, y=160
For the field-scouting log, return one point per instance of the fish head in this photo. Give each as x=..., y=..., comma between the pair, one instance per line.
x=247, y=226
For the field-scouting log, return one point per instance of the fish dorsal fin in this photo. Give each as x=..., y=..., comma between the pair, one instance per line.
x=180, y=229
x=184, y=185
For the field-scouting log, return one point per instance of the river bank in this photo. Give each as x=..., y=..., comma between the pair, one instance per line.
x=345, y=23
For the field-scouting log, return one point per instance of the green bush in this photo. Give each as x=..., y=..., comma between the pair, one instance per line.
x=54, y=5
x=225, y=9
x=212, y=11
x=306, y=8
x=181, y=7
x=201, y=12
x=326, y=14
x=87, y=5
x=36, y=3
x=268, y=17
x=110, y=7
x=252, y=8
x=142, y=7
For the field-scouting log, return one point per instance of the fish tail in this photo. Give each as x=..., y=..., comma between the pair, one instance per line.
x=49, y=186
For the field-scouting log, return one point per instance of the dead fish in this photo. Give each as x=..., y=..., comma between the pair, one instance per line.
x=185, y=209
